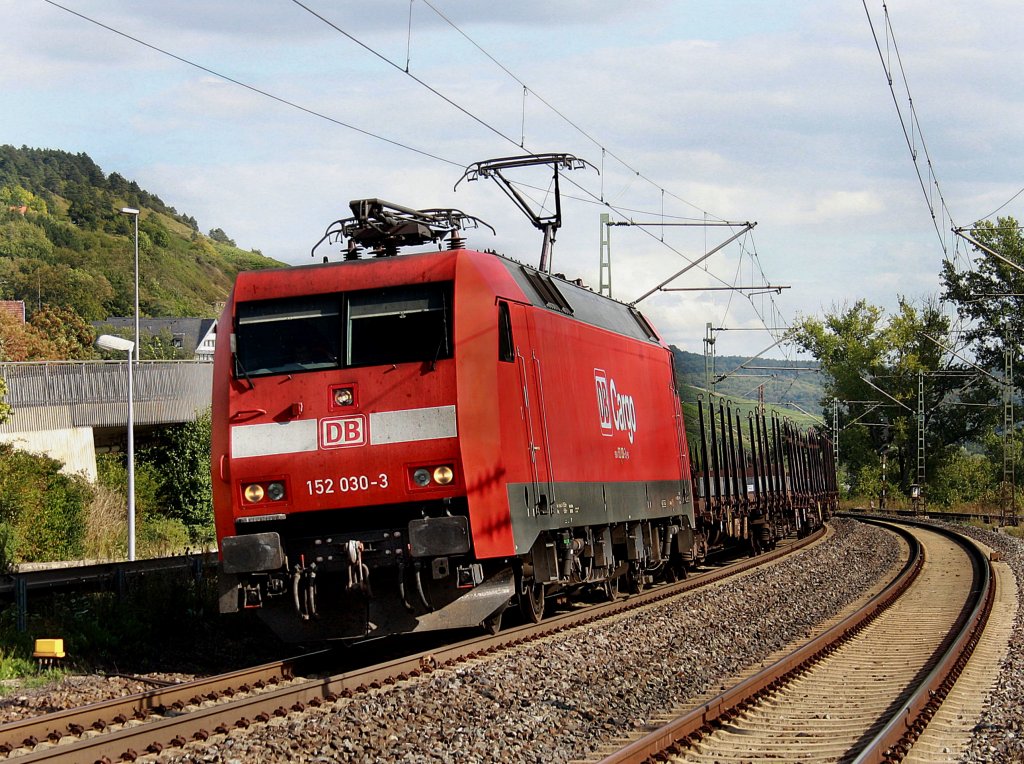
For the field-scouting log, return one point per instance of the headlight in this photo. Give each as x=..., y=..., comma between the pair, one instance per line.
x=421, y=477
x=443, y=475
x=254, y=493
x=275, y=491
x=343, y=396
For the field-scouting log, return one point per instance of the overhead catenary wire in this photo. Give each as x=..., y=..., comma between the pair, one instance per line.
x=466, y=111
x=569, y=121
x=397, y=143
x=254, y=89
x=1001, y=206
x=912, y=133
x=451, y=102
x=634, y=173
x=298, y=106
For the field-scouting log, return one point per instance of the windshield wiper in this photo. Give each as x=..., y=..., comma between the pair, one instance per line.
x=240, y=368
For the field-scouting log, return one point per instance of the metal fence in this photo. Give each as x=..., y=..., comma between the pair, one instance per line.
x=61, y=394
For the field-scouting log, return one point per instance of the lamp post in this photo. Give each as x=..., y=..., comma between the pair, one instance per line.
x=135, y=213
x=113, y=343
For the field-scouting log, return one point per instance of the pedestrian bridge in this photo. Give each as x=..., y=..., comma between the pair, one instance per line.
x=71, y=409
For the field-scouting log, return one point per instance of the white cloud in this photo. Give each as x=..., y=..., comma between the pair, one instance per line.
x=778, y=114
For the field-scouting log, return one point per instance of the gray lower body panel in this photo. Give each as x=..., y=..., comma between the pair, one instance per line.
x=538, y=507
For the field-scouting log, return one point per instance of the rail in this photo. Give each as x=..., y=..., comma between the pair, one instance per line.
x=74, y=730
x=898, y=735
x=902, y=727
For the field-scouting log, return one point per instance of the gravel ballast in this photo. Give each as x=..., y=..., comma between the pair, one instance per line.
x=571, y=695
x=563, y=697
x=999, y=734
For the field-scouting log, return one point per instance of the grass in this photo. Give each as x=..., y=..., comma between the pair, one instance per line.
x=106, y=535
x=14, y=665
x=18, y=669
x=168, y=622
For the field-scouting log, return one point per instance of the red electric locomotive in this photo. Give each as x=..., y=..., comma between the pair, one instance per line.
x=413, y=442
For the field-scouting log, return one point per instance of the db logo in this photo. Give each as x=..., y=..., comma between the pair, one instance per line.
x=343, y=431
x=604, y=401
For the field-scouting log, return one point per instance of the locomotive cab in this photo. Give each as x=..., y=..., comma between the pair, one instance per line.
x=345, y=470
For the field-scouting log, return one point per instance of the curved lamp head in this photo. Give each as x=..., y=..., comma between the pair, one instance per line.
x=112, y=342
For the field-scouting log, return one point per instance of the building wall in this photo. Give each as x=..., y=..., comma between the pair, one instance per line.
x=73, y=446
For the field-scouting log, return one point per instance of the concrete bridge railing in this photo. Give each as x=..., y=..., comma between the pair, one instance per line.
x=57, y=405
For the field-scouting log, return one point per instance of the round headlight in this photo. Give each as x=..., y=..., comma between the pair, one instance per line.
x=343, y=396
x=254, y=493
x=421, y=477
x=443, y=475
x=275, y=491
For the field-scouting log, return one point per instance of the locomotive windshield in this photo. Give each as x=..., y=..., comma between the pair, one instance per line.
x=367, y=328
x=398, y=325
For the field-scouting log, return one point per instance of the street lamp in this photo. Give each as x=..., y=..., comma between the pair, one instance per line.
x=135, y=213
x=113, y=343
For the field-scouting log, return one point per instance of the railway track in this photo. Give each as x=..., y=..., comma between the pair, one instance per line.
x=124, y=729
x=863, y=691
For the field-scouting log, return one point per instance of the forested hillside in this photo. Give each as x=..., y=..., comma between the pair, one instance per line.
x=67, y=250
x=804, y=387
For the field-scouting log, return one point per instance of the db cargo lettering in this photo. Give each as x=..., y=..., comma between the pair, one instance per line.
x=615, y=410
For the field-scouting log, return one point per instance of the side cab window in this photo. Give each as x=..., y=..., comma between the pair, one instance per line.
x=506, y=346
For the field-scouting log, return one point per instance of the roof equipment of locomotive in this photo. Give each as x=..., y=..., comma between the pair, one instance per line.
x=549, y=222
x=383, y=227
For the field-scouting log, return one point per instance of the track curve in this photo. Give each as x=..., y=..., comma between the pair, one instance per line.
x=864, y=699
x=129, y=739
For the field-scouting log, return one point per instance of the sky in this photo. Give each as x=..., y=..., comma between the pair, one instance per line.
x=265, y=118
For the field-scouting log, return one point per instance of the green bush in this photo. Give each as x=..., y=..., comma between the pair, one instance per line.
x=184, y=470
x=173, y=489
x=112, y=472
x=42, y=508
x=962, y=478
x=8, y=546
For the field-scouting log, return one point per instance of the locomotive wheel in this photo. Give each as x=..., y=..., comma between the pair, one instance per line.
x=633, y=581
x=612, y=588
x=531, y=601
x=675, y=571
x=700, y=551
x=492, y=623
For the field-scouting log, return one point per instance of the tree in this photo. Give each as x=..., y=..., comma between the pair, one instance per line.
x=19, y=238
x=217, y=234
x=872, y=362
x=990, y=299
x=23, y=342
x=70, y=334
x=160, y=346
x=963, y=477
x=186, y=476
x=14, y=197
x=38, y=284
